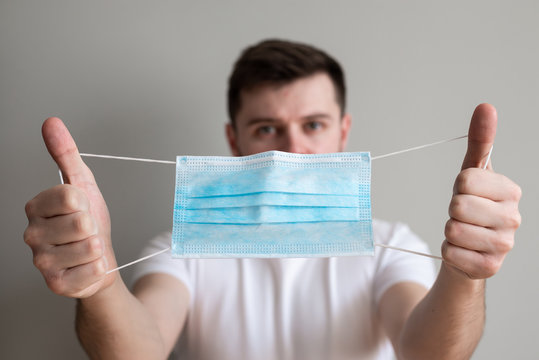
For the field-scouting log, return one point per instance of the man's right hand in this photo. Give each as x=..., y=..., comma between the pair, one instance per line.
x=69, y=225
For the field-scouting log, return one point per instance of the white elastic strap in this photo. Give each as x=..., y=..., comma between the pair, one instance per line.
x=128, y=158
x=488, y=158
x=408, y=251
x=372, y=158
x=138, y=260
x=418, y=147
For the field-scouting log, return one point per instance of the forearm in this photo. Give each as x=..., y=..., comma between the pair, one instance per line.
x=448, y=322
x=113, y=324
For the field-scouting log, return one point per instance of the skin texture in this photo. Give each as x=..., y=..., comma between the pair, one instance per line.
x=69, y=234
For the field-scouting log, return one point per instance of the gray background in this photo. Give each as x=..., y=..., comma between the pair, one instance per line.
x=148, y=79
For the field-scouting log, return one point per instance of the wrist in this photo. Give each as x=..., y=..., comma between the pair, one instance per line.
x=458, y=279
x=113, y=290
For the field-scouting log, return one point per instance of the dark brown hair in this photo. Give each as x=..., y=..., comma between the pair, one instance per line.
x=280, y=62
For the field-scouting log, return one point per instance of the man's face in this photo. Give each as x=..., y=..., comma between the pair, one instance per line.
x=300, y=117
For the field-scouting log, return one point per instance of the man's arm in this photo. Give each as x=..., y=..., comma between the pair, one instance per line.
x=114, y=324
x=443, y=323
x=69, y=234
x=448, y=321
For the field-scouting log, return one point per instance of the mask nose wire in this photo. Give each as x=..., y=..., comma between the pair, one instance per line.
x=372, y=158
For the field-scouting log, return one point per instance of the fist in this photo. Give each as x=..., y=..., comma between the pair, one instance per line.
x=483, y=219
x=483, y=211
x=69, y=225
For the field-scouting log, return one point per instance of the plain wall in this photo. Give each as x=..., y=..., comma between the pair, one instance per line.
x=148, y=79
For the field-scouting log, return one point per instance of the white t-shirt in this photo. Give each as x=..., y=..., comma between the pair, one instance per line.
x=299, y=308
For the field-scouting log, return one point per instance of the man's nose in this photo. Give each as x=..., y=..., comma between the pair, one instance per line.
x=295, y=142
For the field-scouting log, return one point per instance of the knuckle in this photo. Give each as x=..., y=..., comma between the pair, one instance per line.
x=490, y=266
x=505, y=244
x=69, y=198
x=55, y=283
x=94, y=248
x=29, y=208
x=450, y=255
x=516, y=220
x=465, y=182
x=457, y=207
x=31, y=235
x=445, y=250
x=83, y=224
x=513, y=190
x=43, y=262
x=40, y=262
x=452, y=229
x=513, y=219
x=98, y=268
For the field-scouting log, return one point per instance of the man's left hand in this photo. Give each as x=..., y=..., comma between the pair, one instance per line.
x=483, y=211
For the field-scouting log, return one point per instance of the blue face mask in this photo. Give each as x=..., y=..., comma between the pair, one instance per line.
x=273, y=204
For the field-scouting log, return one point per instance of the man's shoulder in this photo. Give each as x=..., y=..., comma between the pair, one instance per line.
x=384, y=230
x=161, y=240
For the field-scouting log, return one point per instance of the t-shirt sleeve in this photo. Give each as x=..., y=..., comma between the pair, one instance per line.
x=395, y=266
x=163, y=263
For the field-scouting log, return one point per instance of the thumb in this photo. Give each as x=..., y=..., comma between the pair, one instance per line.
x=65, y=153
x=480, y=136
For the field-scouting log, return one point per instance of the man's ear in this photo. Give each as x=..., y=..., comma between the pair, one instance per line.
x=346, y=124
x=232, y=139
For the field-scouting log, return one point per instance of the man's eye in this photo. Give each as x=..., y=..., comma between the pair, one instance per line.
x=314, y=125
x=266, y=130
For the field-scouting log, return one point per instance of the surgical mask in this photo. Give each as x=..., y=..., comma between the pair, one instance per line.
x=272, y=204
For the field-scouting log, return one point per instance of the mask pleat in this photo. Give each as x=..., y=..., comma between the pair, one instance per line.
x=323, y=181
x=270, y=214
x=271, y=198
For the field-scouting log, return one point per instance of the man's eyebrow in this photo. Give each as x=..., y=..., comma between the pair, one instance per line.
x=318, y=116
x=271, y=120
x=257, y=120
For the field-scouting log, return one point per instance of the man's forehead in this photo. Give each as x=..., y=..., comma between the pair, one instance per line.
x=300, y=98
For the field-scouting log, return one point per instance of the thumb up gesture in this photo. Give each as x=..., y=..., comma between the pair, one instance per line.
x=69, y=225
x=483, y=211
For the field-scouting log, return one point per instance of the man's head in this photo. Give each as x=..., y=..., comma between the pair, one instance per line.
x=286, y=96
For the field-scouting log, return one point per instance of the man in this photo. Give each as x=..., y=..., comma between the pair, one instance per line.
x=290, y=97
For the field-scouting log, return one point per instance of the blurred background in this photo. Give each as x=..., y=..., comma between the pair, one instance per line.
x=148, y=79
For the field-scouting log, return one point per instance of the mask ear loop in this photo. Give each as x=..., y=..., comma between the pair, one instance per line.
x=61, y=176
x=138, y=260
x=488, y=158
x=408, y=251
